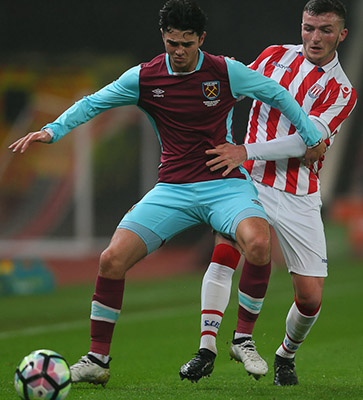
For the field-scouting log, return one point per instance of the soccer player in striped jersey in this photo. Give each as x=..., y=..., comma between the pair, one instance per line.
x=188, y=96
x=288, y=189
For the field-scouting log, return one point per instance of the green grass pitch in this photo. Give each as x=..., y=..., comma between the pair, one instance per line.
x=159, y=330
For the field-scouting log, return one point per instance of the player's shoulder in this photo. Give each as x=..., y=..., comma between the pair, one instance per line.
x=213, y=58
x=216, y=63
x=344, y=85
x=338, y=84
x=274, y=52
x=155, y=62
x=336, y=75
x=279, y=48
x=340, y=76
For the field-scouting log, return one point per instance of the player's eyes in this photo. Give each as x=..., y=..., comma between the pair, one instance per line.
x=176, y=44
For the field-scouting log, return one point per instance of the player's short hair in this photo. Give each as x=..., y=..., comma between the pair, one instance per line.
x=317, y=7
x=183, y=15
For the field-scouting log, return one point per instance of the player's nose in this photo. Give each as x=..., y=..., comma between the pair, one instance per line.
x=316, y=36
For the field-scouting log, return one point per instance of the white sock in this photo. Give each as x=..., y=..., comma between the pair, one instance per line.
x=297, y=328
x=100, y=357
x=216, y=290
x=242, y=335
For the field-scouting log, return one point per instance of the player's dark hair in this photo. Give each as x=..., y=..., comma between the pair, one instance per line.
x=317, y=7
x=183, y=15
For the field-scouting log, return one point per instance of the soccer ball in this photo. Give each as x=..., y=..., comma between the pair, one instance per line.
x=43, y=374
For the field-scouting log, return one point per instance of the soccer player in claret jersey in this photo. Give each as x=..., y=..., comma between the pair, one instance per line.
x=288, y=190
x=189, y=97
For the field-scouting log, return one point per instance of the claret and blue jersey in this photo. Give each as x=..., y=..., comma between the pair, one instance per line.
x=190, y=112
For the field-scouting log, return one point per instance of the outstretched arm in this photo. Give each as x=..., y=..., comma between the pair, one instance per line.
x=245, y=81
x=24, y=142
x=123, y=91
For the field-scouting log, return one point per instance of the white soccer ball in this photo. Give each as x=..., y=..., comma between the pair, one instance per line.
x=43, y=374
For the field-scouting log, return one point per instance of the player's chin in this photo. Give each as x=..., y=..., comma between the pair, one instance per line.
x=315, y=52
x=180, y=67
x=179, y=63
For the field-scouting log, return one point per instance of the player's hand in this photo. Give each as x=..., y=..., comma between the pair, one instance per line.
x=227, y=155
x=315, y=154
x=23, y=143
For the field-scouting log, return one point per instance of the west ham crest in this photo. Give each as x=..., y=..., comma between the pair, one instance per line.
x=211, y=89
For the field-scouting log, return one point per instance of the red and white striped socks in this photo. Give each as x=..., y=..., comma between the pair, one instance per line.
x=299, y=321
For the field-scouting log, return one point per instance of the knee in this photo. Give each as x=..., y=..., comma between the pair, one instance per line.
x=310, y=301
x=258, y=250
x=111, y=265
x=308, y=291
x=253, y=236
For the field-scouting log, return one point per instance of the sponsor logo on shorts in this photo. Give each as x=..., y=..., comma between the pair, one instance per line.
x=258, y=203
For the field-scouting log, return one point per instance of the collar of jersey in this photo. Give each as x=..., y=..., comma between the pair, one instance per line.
x=197, y=68
x=326, y=67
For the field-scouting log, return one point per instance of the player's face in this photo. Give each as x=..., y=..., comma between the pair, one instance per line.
x=182, y=47
x=321, y=35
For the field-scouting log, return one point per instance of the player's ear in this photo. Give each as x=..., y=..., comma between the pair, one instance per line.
x=162, y=36
x=201, y=39
x=343, y=34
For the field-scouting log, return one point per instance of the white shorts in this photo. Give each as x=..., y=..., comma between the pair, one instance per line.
x=299, y=229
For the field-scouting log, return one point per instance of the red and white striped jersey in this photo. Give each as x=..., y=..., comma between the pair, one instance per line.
x=323, y=92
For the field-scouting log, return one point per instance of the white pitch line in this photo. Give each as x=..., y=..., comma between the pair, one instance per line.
x=36, y=330
x=74, y=325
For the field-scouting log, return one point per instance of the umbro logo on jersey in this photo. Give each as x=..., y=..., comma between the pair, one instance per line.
x=278, y=65
x=158, y=92
x=315, y=91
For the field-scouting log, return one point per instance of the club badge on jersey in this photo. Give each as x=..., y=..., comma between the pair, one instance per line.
x=315, y=91
x=211, y=91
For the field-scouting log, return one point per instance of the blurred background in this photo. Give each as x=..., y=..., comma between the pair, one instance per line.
x=59, y=205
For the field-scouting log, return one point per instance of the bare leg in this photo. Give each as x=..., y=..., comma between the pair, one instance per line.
x=125, y=249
